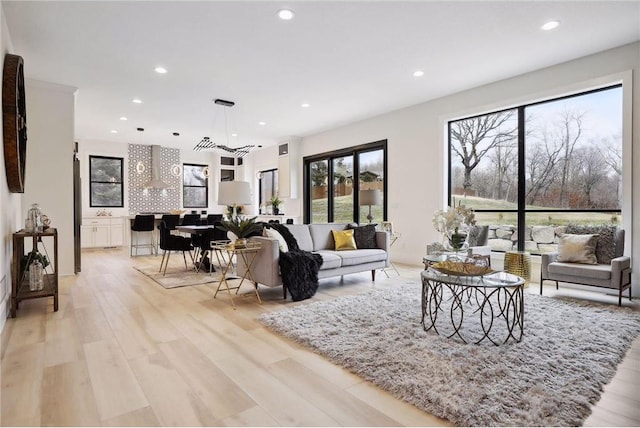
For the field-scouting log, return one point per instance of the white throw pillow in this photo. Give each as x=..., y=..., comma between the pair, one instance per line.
x=577, y=248
x=274, y=234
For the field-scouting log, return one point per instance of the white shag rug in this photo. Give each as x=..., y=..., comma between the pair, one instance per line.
x=569, y=351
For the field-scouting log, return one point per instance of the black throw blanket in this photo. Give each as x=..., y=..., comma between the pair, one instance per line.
x=298, y=268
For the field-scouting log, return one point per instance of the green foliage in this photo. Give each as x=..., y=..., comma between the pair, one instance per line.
x=241, y=227
x=275, y=201
x=319, y=173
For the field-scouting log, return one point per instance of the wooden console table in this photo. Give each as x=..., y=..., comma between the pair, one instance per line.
x=20, y=278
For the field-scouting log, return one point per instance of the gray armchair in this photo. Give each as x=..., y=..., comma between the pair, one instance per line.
x=477, y=239
x=615, y=275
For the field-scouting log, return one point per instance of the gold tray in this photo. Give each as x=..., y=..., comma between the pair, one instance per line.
x=461, y=269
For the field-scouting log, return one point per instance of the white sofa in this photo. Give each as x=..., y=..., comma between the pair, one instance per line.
x=318, y=238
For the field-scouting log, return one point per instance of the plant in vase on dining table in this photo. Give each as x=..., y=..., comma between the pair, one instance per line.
x=452, y=223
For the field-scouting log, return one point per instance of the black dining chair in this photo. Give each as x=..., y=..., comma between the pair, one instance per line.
x=213, y=218
x=171, y=220
x=169, y=243
x=143, y=223
x=206, y=239
x=211, y=235
x=191, y=220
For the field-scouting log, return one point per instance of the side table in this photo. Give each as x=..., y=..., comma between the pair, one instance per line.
x=247, y=253
x=518, y=263
x=20, y=274
x=394, y=237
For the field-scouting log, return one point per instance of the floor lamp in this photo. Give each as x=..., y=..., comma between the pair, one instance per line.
x=370, y=197
x=234, y=193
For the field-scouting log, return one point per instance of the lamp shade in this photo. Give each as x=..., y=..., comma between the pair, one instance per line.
x=234, y=193
x=370, y=197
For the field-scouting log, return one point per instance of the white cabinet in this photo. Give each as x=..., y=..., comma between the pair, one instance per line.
x=101, y=232
x=288, y=161
x=116, y=235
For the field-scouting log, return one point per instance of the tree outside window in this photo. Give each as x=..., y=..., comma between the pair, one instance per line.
x=333, y=182
x=105, y=182
x=551, y=163
x=195, y=186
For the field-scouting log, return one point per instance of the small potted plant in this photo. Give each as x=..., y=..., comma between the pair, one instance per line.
x=275, y=204
x=242, y=228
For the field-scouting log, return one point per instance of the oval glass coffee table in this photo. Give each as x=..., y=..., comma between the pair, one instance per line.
x=473, y=308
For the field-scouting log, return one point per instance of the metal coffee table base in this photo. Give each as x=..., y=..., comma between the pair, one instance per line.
x=447, y=301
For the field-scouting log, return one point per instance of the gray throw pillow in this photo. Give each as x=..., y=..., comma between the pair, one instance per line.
x=365, y=236
x=606, y=246
x=477, y=236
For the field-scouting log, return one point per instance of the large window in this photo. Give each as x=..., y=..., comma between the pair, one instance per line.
x=105, y=182
x=268, y=184
x=346, y=185
x=195, y=186
x=545, y=164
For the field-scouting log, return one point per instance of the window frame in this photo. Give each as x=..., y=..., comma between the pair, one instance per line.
x=521, y=210
x=185, y=186
x=121, y=182
x=354, y=151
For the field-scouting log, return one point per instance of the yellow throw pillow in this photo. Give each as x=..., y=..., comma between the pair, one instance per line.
x=344, y=239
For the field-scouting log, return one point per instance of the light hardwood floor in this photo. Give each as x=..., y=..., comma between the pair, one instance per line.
x=123, y=351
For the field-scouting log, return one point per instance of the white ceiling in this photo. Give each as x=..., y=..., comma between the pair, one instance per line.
x=349, y=60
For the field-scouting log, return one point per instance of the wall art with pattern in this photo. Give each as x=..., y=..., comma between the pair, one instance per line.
x=143, y=200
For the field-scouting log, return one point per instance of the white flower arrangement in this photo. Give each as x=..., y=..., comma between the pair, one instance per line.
x=453, y=218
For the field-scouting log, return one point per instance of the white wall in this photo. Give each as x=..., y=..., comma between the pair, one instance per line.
x=10, y=205
x=416, y=142
x=49, y=170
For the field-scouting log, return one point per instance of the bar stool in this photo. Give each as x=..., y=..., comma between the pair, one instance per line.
x=143, y=223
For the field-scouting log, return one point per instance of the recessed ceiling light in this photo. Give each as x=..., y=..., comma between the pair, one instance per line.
x=123, y=118
x=286, y=14
x=234, y=135
x=176, y=134
x=305, y=105
x=113, y=131
x=160, y=70
x=550, y=25
x=136, y=100
x=262, y=123
x=418, y=73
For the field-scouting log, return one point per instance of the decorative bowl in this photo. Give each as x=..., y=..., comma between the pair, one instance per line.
x=462, y=268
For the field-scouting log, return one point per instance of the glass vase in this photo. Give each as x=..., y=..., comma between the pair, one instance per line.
x=456, y=241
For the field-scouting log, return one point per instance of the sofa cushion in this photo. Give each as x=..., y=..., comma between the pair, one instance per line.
x=606, y=246
x=322, y=236
x=357, y=257
x=581, y=270
x=330, y=260
x=365, y=236
x=344, y=240
x=577, y=248
x=302, y=235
